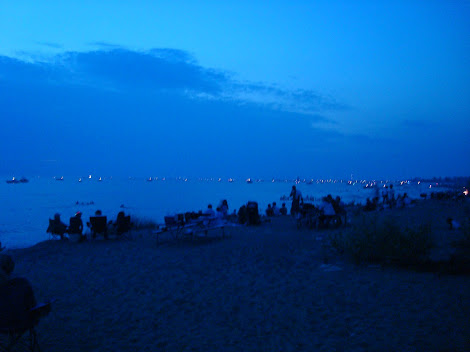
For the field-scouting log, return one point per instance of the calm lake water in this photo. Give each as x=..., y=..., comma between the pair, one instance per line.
x=26, y=208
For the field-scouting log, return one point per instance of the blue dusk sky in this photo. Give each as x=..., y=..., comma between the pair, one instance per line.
x=321, y=89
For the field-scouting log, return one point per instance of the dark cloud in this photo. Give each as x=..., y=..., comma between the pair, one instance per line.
x=114, y=111
x=131, y=70
x=298, y=100
x=159, y=70
x=51, y=45
x=105, y=45
x=174, y=55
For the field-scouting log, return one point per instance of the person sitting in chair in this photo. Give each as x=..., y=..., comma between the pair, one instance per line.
x=209, y=211
x=98, y=224
x=283, y=209
x=18, y=310
x=57, y=227
x=76, y=225
x=123, y=223
x=328, y=212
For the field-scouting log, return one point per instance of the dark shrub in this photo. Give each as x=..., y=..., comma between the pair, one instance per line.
x=383, y=240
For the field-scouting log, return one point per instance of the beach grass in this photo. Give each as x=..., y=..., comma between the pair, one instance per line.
x=374, y=239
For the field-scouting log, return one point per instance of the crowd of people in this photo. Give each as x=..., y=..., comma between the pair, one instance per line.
x=388, y=199
x=98, y=225
x=329, y=210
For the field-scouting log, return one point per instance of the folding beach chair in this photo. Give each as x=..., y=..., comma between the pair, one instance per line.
x=55, y=229
x=308, y=216
x=99, y=225
x=174, y=225
x=123, y=225
x=252, y=213
x=74, y=227
x=19, y=315
x=206, y=223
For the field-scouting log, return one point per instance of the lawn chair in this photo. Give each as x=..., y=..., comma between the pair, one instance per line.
x=74, y=227
x=55, y=229
x=308, y=216
x=252, y=213
x=206, y=223
x=99, y=225
x=19, y=315
x=174, y=225
x=123, y=225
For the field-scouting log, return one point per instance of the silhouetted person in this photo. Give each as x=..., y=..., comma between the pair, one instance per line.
x=385, y=195
x=209, y=211
x=123, y=223
x=269, y=211
x=391, y=196
x=101, y=220
x=338, y=205
x=283, y=209
x=296, y=200
x=276, y=211
x=57, y=227
x=370, y=206
x=76, y=225
x=16, y=297
x=453, y=224
x=6, y=267
x=242, y=216
x=224, y=208
x=328, y=212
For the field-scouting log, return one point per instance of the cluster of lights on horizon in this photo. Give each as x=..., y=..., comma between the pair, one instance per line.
x=363, y=183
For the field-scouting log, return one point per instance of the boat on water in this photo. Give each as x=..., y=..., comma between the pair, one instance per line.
x=21, y=180
x=249, y=180
x=61, y=178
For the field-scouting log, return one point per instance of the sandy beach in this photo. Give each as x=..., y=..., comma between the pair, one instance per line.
x=267, y=288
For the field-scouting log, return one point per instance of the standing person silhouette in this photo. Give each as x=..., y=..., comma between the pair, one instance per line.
x=296, y=200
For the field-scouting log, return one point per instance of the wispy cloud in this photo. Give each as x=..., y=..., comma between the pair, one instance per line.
x=163, y=70
x=298, y=100
x=105, y=45
x=50, y=45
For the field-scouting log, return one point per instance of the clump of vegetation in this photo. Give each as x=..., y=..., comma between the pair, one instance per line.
x=460, y=260
x=383, y=240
